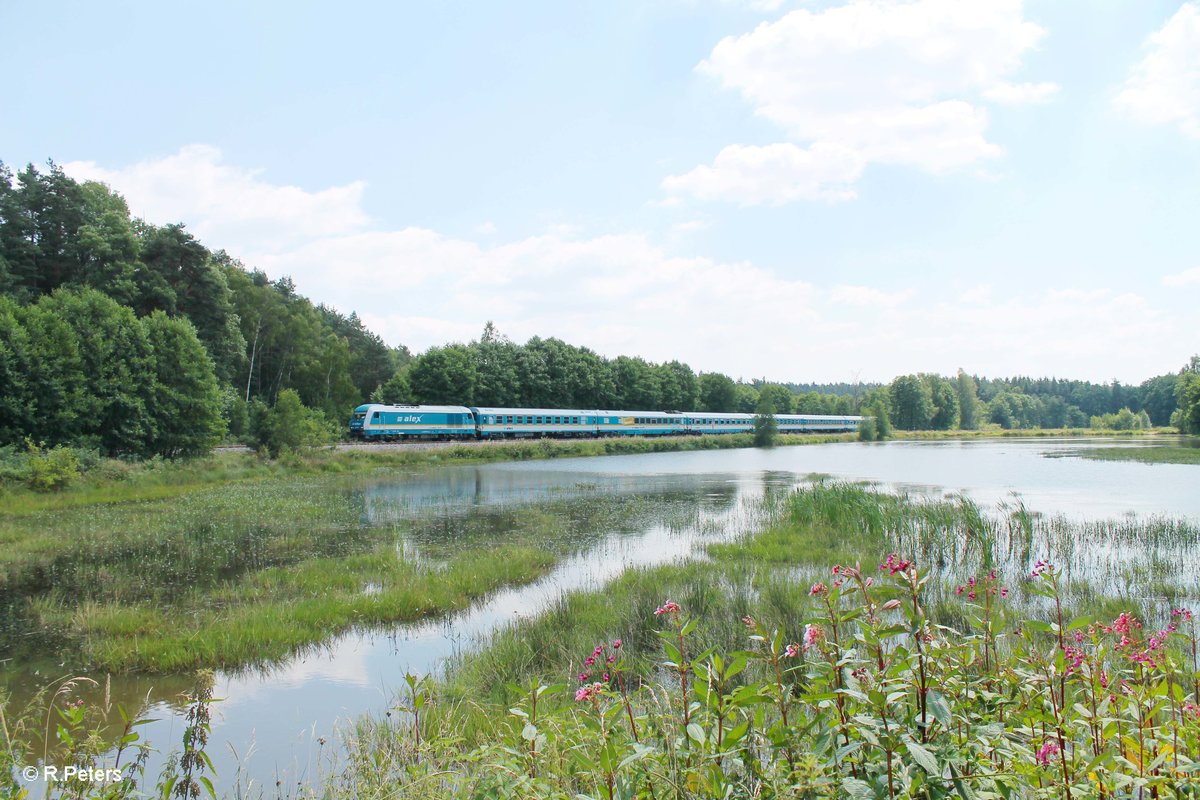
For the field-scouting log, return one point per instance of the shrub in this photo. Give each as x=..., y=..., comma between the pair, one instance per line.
x=289, y=426
x=51, y=470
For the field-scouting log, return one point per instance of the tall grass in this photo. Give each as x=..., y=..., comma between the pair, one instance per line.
x=1146, y=565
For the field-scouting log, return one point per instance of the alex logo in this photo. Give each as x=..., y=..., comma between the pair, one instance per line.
x=410, y=418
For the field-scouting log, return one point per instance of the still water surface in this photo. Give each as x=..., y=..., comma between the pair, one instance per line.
x=269, y=727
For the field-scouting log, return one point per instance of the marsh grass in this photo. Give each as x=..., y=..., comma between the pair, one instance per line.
x=277, y=611
x=1145, y=565
x=1183, y=454
x=113, y=481
x=255, y=571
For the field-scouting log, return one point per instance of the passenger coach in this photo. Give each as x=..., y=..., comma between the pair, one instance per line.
x=377, y=422
x=525, y=423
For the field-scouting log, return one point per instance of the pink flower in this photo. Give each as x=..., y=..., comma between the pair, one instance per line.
x=1042, y=568
x=792, y=650
x=589, y=660
x=894, y=564
x=959, y=589
x=617, y=644
x=583, y=676
x=612, y=659
x=606, y=677
x=1125, y=624
x=1003, y=592
x=817, y=590
x=669, y=607
x=588, y=692
x=970, y=595
x=1049, y=750
x=1074, y=658
x=814, y=635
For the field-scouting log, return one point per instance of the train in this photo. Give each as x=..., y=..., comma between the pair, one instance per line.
x=390, y=423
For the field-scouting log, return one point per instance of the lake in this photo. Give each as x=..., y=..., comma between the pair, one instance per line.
x=277, y=725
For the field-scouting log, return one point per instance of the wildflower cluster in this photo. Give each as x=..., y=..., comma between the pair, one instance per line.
x=867, y=696
x=599, y=662
x=988, y=586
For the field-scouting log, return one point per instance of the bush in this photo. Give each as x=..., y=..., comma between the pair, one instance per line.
x=1123, y=420
x=51, y=470
x=289, y=426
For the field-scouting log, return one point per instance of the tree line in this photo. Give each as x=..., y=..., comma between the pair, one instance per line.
x=137, y=339
x=87, y=296
x=549, y=373
x=968, y=402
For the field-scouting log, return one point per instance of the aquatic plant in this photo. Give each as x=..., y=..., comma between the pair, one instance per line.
x=872, y=699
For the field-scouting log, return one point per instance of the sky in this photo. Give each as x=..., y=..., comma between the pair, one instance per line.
x=797, y=191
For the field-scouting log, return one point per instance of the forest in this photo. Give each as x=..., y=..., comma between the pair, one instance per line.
x=135, y=339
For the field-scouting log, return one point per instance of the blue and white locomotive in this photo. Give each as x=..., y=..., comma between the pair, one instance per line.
x=376, y=422
x=391, y=423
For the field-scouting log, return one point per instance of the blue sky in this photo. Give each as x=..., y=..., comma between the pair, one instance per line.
x=806, y=191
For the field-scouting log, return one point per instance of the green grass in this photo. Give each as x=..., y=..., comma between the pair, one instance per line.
x=116, y=481
x=1148, y=565
x=996, y=432
x=276, y=612
x=251, y=571
x=1144, y=455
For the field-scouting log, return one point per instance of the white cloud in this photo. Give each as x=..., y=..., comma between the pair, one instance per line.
x=868, y=297
x=624, y=293
x=981, y=293
x=231, y=205
x=890, y=82
x=775, y=174
x=690, y=226
x=1164, y=88
x=1189, y=277
x=1015, y=94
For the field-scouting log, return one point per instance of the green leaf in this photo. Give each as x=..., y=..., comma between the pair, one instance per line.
x=923, y=757
x=859, y=790
x=696, y=733
x=941, y=709
x=529, y=732
x=963, y=790
x=736, y=734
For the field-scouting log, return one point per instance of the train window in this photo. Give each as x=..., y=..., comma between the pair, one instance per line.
x=558, y=420
x=375, y=417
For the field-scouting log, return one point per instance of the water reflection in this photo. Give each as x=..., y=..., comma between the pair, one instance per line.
x=272, y=718
x=602, y=516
